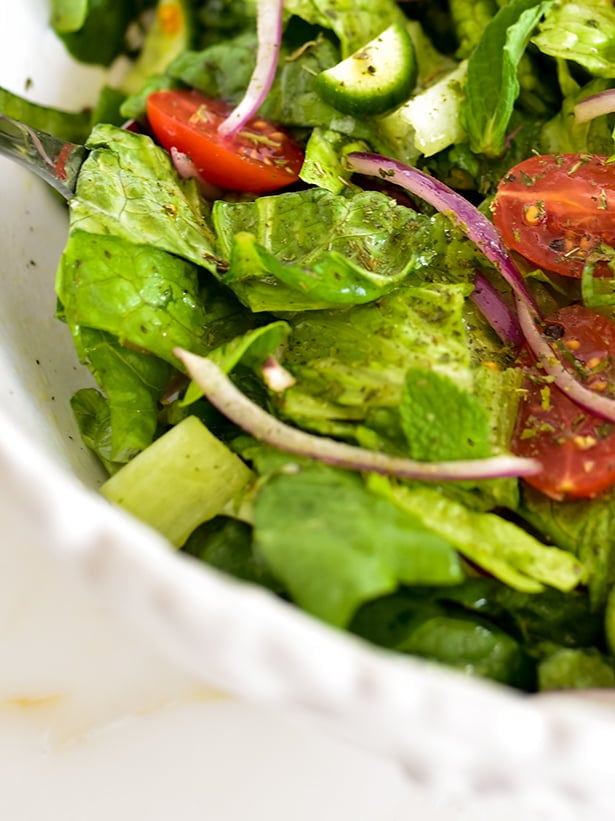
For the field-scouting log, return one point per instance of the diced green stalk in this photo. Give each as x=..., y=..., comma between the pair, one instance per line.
x=184, y=479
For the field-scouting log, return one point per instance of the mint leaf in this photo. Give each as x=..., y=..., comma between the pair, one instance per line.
x=441, y=420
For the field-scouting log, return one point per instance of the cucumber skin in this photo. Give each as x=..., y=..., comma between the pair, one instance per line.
x=374, y=101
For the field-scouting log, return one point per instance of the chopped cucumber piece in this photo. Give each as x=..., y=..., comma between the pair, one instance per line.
x=374, y=79
x=183, y=479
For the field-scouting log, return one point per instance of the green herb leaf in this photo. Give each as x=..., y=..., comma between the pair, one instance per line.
x=492, y=85
x=334, y=545
x=440, y=420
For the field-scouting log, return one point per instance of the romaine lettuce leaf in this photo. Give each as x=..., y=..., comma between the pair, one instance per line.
x=581, y=32
x=281, y=259
x=127, y=187
x=94, y=31
x=416, y=623
x=147, y=298
x=585, y=528
x=492, y=83
x=355, y=22
x=498, y=546
x=335, y=545
x=132, y=382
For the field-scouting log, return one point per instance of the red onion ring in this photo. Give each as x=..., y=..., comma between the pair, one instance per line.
x=269, y=31
x=591, y=107
x=233, y=404
x=497, y=313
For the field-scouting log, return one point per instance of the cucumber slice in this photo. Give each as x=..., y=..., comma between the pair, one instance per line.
x=374, y=79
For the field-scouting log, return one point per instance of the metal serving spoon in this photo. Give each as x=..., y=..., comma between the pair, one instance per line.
x=56, y=161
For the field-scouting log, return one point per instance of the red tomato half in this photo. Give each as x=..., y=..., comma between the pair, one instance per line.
x=576, y=449
x=261, y=157
x=557, y=209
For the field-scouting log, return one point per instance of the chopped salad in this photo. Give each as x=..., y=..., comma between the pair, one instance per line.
x=343, y=273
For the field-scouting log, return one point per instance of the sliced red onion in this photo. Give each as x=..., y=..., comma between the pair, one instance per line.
x=595, y=106
x=275, y=376
x=269, y=32
x=475, y=225
x=223, y=395
x=183, y=164
x=591, y=401
x=498, y=314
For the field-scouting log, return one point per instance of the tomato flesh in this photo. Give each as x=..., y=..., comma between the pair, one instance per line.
x=575, y=448
x=556, y=210
x=260, y=157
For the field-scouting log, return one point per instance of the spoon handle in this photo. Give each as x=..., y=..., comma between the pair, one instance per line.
x=54, y=160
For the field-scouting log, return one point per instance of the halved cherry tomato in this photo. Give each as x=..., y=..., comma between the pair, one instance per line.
x=261, y=157
x=556, y=210
x=576, y=449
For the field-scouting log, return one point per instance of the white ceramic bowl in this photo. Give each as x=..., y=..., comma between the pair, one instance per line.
x=458, y=739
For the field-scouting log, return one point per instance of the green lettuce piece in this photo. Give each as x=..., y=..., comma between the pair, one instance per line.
x=73, y=126
x=581, y=32
x=568, y=669
x=350, y=364
x=417, y=624
x=585, y=528
x=498, y=546
x=226, y=544
x=564, y=134
x=355, y=22
x=144, y=296
x=492, y=83
x=334, y=545
x=538, y=619
x=324, y=159
x=93, y=417
x=132, y=382
x=250, y=349
x=281, y=259
x=127, y=187
x=94, y=31
x=186, y=477
x=440, y=420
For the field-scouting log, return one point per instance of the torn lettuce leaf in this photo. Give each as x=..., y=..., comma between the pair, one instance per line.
x=585, y=528
x=281, y=259
x=334, y=545
x=354, y=22
x=147, y=298
x=582, y=33
x=132, y=382
x=498, y=546
x=185, y=478
x=419, y=624
x=349, y=364
x=128, y=187
x=492, y=83
x=94, y=31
